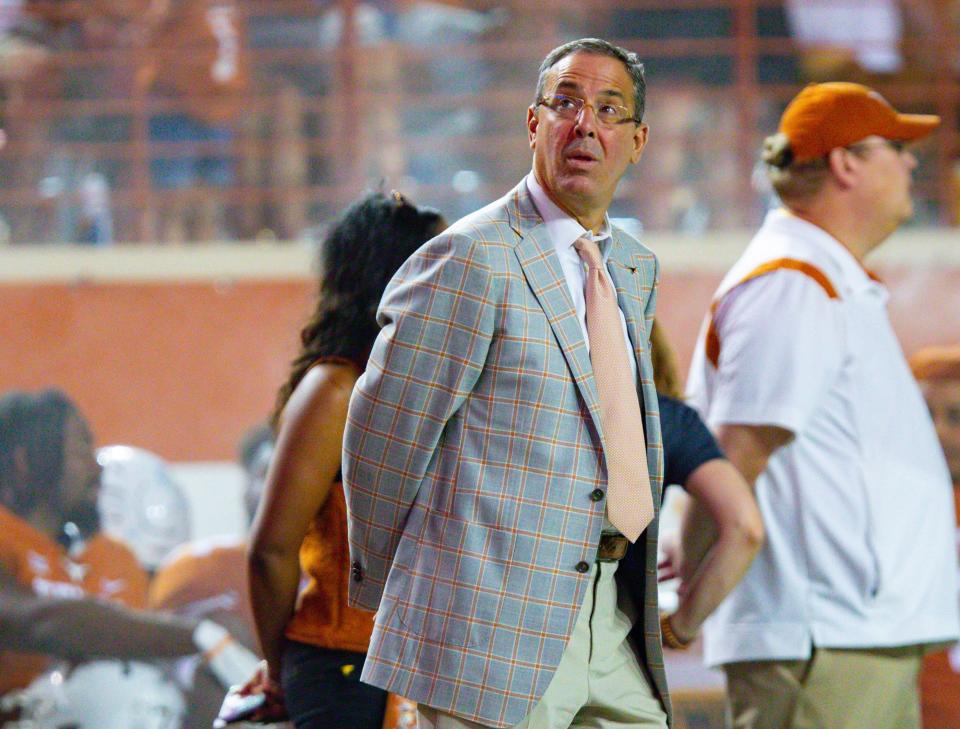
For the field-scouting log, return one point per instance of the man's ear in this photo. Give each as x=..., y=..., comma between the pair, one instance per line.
x=844, y=167
x=532, y=122
x=640, y=135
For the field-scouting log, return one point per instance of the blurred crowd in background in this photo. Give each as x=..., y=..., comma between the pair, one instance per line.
x=179, y=121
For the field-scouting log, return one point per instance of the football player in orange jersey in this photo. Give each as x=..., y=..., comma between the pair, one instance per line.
x=66, y=590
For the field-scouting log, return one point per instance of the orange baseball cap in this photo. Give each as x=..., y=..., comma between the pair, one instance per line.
x=936, y=363
x=837, y=114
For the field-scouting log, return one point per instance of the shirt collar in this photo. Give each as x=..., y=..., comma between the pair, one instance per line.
x=564, y=229
x=855, y=276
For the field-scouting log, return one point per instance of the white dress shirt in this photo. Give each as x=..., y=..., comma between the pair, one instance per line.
x=564, y=231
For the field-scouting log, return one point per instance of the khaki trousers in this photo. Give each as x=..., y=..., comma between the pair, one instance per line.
x=835, y=689
x=599, y=683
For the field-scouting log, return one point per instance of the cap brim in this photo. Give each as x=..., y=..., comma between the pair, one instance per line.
x=914, y=126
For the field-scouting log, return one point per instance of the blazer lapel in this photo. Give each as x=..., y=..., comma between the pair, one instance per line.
x=628, y=272
x=540, y=265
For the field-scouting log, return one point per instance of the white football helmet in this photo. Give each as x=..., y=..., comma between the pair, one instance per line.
x=140, y=503
x=102, y=695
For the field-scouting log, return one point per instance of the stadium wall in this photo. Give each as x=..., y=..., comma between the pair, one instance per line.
x=180, y=349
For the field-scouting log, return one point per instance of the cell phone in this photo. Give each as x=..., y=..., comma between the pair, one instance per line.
x=237, y=707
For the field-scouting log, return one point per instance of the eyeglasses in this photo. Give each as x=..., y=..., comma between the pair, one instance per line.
x=569, y=107
x=897, y=145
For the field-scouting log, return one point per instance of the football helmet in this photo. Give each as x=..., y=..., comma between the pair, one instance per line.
x=141, y=504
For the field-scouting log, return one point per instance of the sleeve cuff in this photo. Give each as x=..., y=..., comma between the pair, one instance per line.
x=738, y=413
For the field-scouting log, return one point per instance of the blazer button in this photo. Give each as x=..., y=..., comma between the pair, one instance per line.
x=583, y=567
x=357, y=572
x=596, y=495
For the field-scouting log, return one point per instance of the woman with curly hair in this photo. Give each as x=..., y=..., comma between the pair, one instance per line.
x=314, y=644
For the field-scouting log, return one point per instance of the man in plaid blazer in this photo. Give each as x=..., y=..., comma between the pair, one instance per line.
x=474, y=467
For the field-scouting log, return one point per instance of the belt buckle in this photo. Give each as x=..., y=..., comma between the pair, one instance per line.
x=612, y=547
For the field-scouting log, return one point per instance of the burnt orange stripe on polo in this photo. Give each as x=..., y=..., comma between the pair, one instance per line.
x=712, y=344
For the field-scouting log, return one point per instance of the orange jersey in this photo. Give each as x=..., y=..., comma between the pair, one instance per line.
x=203, y=577
x=105, y=569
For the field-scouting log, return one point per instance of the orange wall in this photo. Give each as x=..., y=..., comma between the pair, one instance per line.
x=180, y=369
x=184, y=368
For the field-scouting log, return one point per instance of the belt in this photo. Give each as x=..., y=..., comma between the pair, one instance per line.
x=613, y=547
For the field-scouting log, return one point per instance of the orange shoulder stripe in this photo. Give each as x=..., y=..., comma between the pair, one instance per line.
x=712, y=344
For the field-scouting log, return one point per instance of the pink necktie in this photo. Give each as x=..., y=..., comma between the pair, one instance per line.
x=629, y=503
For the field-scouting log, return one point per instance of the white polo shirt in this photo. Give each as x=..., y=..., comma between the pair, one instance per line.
x=860, y=548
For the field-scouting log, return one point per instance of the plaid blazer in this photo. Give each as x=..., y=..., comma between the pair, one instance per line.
x=472, y=446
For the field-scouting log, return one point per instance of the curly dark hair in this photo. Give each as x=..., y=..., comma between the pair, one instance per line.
x=35, y=422
x=359, y=256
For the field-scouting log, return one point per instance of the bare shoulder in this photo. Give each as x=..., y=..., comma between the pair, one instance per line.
x=330, y=376
x=323, y=394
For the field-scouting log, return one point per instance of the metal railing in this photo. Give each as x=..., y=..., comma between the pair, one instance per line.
x=130, y=131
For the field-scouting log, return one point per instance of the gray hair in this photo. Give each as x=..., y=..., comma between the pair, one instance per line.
x=599, y=47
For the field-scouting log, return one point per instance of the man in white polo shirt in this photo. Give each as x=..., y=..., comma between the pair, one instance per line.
x=800, y=374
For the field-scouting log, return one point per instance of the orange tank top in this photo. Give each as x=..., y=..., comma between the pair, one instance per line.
x=105, y=569
x=321, y=617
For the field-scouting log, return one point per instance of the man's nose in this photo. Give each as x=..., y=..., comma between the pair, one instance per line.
x=586, y=122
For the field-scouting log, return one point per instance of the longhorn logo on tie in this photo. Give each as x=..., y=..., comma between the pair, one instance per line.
x=629, y=502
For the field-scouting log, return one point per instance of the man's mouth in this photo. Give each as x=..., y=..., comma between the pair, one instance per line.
x=581, y=158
